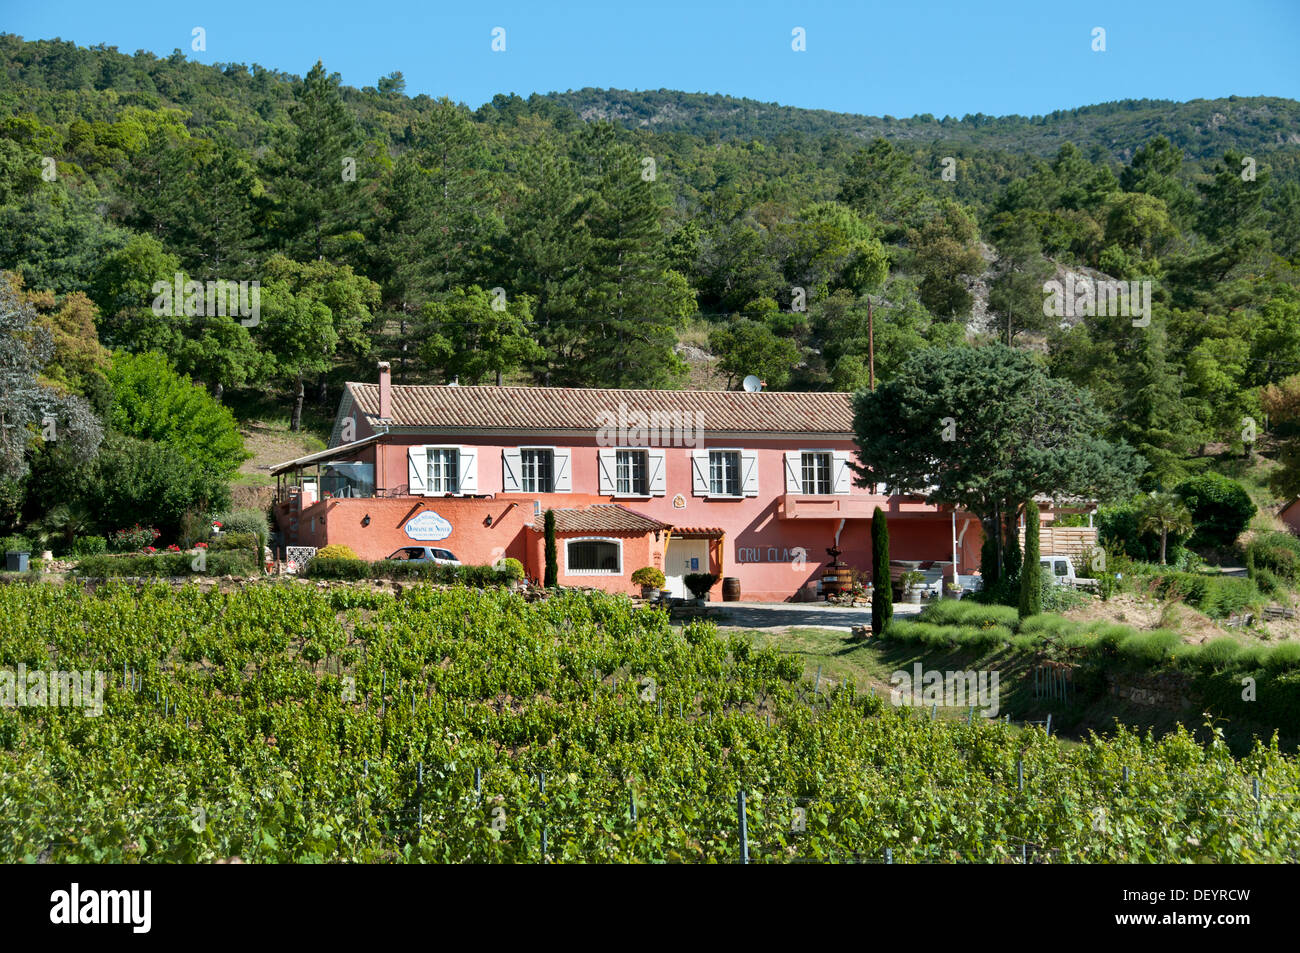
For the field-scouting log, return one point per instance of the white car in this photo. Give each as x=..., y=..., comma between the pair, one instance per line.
x=426, y=554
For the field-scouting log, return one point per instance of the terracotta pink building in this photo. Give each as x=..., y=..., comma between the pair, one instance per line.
x=755, y=486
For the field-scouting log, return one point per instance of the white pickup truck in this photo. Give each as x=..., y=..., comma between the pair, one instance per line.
x=1062, y=569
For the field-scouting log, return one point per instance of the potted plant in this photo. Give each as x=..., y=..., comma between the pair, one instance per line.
x=650, y=580
x=912, y=580
x=699, y=583
x=954, y=590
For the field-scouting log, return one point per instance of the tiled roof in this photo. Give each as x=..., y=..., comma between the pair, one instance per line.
x=697, y=532
x=572, y=408
x=602, y=518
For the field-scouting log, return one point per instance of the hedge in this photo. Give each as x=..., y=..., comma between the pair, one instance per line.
x=232, y=563
x=480, y=576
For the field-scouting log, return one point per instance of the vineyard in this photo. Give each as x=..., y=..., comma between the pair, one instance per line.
x=285, y=723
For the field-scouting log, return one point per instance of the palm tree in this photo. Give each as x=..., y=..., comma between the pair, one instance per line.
x=65, y=522
x=1164, y=513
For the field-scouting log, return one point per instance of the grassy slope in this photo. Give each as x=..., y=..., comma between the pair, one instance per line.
x=870, y=664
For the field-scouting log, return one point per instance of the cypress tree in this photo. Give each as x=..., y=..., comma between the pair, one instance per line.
x=1031, y=575
x=552, y=561
x=882, y=596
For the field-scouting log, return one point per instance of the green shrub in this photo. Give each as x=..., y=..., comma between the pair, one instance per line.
x=1267, y=582
x=336, y=567
x=245, y=521
x=699, y=583
x=512, y=568
x=1216, y=596
x=1283, y=657
x=89, y=546
x=235, y=563
x=649, y=576
x=1109, y=635
x=969, y=613
x=1217, y=654
x=15, y=544
x=1221, y=508
x=1047, y=625
x=1275, y=553
x=1149, y=649
x=336, y=551
x=325, y=567
x=222, y=542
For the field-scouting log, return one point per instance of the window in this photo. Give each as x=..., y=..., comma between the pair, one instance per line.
x=724, y=473
x=536, y=469
x=594, y=557
x=817, y=473
x=444, y=470
x=630, y=472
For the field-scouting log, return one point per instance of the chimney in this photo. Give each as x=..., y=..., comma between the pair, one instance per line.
x=385, y=390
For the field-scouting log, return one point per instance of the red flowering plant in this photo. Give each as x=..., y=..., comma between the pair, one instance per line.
x=173, y=548
x=200, y=545
x=135, y=539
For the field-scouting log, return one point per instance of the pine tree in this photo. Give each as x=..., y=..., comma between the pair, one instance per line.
x=315, y=204
x=882, y=595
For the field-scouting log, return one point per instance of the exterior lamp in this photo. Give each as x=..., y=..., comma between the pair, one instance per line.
x=487, y=520
x=365, y=520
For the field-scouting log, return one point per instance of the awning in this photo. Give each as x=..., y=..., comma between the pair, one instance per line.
x=342, y=450
x=697, y=532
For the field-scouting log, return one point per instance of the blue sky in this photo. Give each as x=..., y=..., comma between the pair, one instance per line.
x=900, y=58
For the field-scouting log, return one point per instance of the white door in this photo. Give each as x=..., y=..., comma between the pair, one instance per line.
x=684, y=556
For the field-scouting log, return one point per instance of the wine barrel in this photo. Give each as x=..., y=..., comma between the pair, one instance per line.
x=730, y=589
x=837, y=579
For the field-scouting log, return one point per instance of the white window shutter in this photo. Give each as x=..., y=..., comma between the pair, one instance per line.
x=841, y=475
x=749, y=472
x=468, y=470
x=700, y=472
x=510, y=471
x=562, y=470
x=793, y=471
x=417, y=470
x=657, y=482
x=605, y=472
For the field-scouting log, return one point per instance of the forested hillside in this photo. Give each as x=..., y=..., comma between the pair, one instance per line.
x=530, y=241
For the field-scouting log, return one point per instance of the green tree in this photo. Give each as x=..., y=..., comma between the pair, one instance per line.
x=1031, y=576
x=314, y=204
x=882, y=593
x=1163, y=514
x=985, y=428
x=1220, y=507
x=144, y=481
x=32, y=412
x=946, y=250
x=550, y=576
x=746, y=347
x=152, y=402
x=470, y=339
x=882, y=181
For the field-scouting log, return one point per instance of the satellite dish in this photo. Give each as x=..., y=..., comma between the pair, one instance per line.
x=753, y=384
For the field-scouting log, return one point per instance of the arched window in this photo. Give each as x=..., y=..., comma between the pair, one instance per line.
x=593, y=557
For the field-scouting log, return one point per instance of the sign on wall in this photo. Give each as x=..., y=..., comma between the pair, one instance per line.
x=428, y=526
